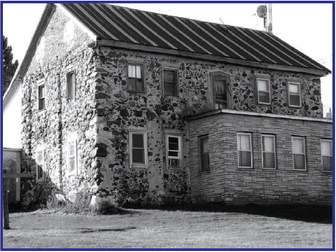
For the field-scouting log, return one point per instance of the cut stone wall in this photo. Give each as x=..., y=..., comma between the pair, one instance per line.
x=226, y=182
x=58, y=53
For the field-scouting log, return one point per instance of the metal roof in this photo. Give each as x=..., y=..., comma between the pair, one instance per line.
x=150, y=29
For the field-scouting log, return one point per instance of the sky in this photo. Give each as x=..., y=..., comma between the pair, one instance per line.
x=307, y=27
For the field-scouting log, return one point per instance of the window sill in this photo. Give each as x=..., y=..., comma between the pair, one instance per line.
x=269, y=169
x=245, y=168
x=136, y=92
x=203, y=172
x=294, y=106
x=139, y=166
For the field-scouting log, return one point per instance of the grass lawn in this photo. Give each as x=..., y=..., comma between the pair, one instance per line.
x=163, y=229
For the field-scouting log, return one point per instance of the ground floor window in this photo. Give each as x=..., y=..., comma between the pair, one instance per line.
x=268, y=151
x=244, y=150
x=326, y=155
x=138, y=148
x=72, y=156
x=40, y=164
x=204, y=153
x=299, y=153
x=173, y=151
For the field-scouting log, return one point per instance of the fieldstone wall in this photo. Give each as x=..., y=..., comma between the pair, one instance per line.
x=226, y=182
x=119, y=112
x=63, y=48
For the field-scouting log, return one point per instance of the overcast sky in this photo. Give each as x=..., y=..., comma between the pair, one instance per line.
x=307, y=27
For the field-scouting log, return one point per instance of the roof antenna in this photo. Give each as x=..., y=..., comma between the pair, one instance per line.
x=265, y=12
x=223, y=24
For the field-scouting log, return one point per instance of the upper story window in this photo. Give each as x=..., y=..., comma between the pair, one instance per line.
x=294, y=94
x=170, y=87
x=174, y=151
x=245, y=158
x=204, y=153
x=268, y=151
x=40, y=164
x=264, y=91
x=299, y=153
x=135, y=81
x=138, y=148
x=71, y=85
x=326, y=155
x=72, y=155
x=222, y=98
x=41, y=96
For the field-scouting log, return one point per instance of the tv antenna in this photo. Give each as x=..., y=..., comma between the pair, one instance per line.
x=265, y=12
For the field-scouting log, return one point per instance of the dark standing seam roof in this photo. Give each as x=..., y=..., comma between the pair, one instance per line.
x=157, y=30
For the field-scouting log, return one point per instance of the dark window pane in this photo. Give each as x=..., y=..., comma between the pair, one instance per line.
x=39, y=172
x=169, y=76
x=264, y=97
x=327, y=161
x=138, y=156
x=299, y=162
x=269, y=160
x=173, y=143
x=174, y=162
x=71, y=85
x=245, y=158
x=172, y=153
x=170, y=89
x=294, y=100
x=138, y=140
x=205, y=162
x=136, y=85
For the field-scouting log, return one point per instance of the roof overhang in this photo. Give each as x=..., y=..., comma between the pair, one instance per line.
x=143, y=48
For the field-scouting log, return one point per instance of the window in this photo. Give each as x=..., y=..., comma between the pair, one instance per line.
x=135, y=78
x=326, y=155
x=41, y=97
x=204, y=153
x=221, y=93
x=244, y=150
x=170, y=83
x=72, y=156
x=299, y=153
x=71, y=85
x=268, y=151
x=138, y=152
x=39, y=164
x=264, y=91
x=174, y=151
x=294, y=97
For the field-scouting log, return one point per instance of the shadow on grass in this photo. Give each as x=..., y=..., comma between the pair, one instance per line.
x=307, y=213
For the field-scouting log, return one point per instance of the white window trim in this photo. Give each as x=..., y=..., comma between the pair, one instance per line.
x=72, y=138
x=326, y=140
x=179, y=150
x=304, y=152
x=40, y=148
x=138, y=131
x=298, y=84
x=40, y=83
x=262, y=152
x=251, y=145
x=269, y=91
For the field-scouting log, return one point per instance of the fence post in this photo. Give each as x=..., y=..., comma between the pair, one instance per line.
x=6, y=202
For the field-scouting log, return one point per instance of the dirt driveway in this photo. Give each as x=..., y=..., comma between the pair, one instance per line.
x=162, y=229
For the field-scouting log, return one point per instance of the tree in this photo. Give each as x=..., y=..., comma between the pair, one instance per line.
x=9, y=67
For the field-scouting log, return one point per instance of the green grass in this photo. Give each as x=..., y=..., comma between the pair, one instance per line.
x=163, y=229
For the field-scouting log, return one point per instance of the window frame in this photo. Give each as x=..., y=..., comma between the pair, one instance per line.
x=304, y=152
x=142, y=78
x=145, y=143
x=331, y=145
x=39, y=84
x=72, y=139
x=74, y=89
x=262, y=152
x=269, y=91
x=212, y=95
x=251, y=150
x=299, y=94
x=176, y=81
x=180, y=150
x=200, y=138
x=40, y=149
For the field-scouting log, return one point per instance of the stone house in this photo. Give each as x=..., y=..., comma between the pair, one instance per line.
x=135, y=107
